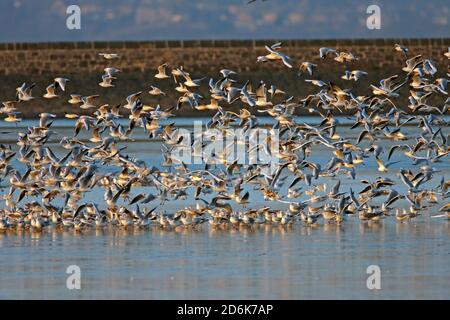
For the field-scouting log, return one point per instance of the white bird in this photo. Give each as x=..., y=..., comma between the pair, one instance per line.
x=162, y=72
x=275, y=55
x=107, y=81
x=402, y=49
x=61, y=83
x=50, y=94
x=111, y=71
x=191, y=83
x=226, y=73
x=307, y=66
x=345, y=57
x=441, y=85
x=318, y=83
x=88, y=102
x=429, y=67
x=155, y=91
x=131, y=99
x=347, y=75
x=75, y=99
x=387, y=87
x=24, y=92
x=325, y=51
x=357, y=74
x=109, y=56
x=447, y=54
x=8, y=106
x=43, y=118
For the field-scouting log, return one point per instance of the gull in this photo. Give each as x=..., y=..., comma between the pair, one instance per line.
x=402, y=49
x=109, y=56
x=441, y=84
x=388, y=87
x=345, y=57
x=75, y=99
x=107, y=81
x=318, y=83
x=132, y=99
x=8, y=106
x=61, y=83
x=447, y=54
x=392, y=197
x=88, y=101
x=347, y=75
x=307, y=66
x=429, y=67
x=43, y=118
x=12, y=117
x=213, y=105
x=275, y=55
x=191, y=83
x=178, y=72
x=246, y=96
x=162, y=72
x=111, y=71
x=96, y=137
x=156, y=91
x=273, y=90
x=226, y=72
x=24, y=92
x=383, y=167
x=446, y=209
x=325, y=51
x=181, y=88
x=403, y=215
x=413, y=63
x=357, y=74
x=142, y=198
x=50, y=92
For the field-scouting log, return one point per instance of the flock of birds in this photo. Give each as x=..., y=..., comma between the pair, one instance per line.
x=41, y=188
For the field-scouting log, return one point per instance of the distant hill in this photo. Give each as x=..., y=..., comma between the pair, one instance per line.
x=44, y=20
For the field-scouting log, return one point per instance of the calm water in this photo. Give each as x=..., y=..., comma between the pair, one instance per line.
x=300, y=262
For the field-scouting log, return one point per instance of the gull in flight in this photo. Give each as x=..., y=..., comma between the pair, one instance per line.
x=325, y=51
x=353, y=75
x=111, y=71
x=317, y=83
x=24, y=92
x=162, y=72
x=88, y=102
x=275, y=55
x=51, y=92
x=75, y=99
x=155, y=91
x=61, y=83
x=109, y=56
x=388, y=87
x=447, y=54
x=402, y=49
x=307, y=66
x=107, y=81
x=191, y=83
x=345, y=57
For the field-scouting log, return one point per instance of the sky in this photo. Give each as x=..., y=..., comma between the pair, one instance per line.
x=110, y=20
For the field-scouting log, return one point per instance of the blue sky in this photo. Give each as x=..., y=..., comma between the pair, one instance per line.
x=45, y=20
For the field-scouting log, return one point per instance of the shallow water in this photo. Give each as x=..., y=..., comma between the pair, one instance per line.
x=265, y=262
